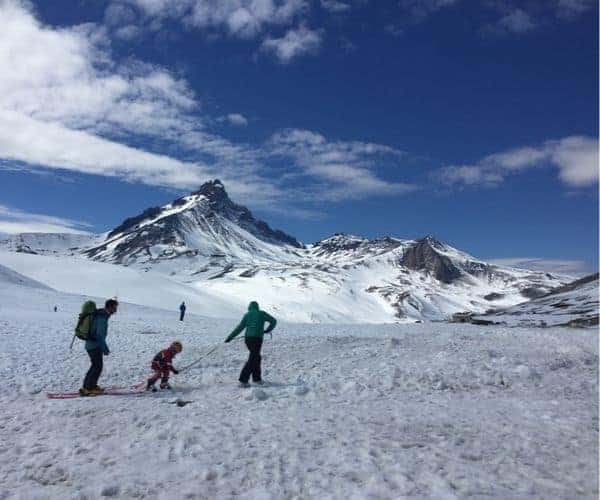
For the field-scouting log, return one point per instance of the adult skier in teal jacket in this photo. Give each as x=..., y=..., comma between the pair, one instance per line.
x=96, y=347
x=254, y=323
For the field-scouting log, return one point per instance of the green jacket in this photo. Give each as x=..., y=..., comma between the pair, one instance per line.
x=254, y=323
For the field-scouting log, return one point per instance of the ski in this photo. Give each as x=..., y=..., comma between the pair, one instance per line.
x=108, y=391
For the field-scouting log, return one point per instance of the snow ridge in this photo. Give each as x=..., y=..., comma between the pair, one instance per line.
x=209, y=244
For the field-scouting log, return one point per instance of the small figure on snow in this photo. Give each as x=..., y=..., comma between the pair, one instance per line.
x=55, y=308
x=182, y=311
x=254, y=323
x=162, y=365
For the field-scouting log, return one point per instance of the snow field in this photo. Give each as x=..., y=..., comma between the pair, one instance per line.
x=352, y=412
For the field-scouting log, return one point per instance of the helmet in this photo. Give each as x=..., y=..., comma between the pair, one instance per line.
x=176, y=346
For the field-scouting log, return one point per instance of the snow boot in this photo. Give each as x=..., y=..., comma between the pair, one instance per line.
x=244, y=385
x=259, y=382
x=90, y=392
x=165, y=386
x=150, y=387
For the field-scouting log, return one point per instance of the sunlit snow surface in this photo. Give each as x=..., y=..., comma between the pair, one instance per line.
x=387, y=411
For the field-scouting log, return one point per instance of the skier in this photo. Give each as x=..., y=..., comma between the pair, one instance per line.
x=162, y=366
x=96, y=347
x=55, y=308
x=182, y=311
x=254, y=323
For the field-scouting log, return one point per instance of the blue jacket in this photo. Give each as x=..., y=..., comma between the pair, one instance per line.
x=99, y=331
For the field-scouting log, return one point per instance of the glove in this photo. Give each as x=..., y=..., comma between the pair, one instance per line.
x=176, y=372
x=228, y=339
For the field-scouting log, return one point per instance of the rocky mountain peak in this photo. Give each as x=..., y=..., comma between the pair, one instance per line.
x=214, y=191
x=432, y=242
x=423, y=255
x=340, y=242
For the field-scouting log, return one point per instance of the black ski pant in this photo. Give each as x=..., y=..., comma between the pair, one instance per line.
x=93, y=374
x=252, y=366
x=181, y=315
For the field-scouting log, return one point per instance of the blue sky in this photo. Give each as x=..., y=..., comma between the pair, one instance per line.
x=473, y=121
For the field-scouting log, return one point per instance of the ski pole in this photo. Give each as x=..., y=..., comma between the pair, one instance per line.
x=72, y=342
x=200, y=358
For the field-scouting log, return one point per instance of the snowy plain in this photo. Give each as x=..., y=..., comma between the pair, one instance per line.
x=360, y=411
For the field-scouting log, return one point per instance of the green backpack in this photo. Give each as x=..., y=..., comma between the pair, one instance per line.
x=84, y=323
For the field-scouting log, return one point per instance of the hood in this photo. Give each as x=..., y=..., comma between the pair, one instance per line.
x=253, y=306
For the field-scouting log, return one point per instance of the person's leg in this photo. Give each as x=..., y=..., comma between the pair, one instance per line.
x=164, y=380
x=152, y=380
x=247, y=369
x=256, y=359
x=93, y=374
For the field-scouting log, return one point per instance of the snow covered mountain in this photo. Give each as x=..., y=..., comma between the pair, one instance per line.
x=218, y=248
x=205, y=224
x=8, y=277
x=50, y=243
x=574, y=304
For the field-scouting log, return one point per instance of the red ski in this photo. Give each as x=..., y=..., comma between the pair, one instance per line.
x=108, y=391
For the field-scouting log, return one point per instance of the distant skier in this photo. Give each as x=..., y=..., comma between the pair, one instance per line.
x=182, y=311
x=162, y=365
x=254, y=323
x=96, y=347
x=55, y=308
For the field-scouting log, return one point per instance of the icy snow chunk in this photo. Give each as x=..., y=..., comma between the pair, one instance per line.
x=528, y=373
x=561, y=362
x=110, y=491
x=260, y=395
x=301, y=390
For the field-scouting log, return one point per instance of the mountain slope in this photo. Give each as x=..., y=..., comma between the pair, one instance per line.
x=210, y=245
x=574, y=304
x=83, y=277
x=204, y=225
x=8, y=277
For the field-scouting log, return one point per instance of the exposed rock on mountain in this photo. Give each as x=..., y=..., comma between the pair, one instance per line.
x=206, y=241
x=573, y=304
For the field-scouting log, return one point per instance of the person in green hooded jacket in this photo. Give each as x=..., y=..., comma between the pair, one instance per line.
x=254, y=323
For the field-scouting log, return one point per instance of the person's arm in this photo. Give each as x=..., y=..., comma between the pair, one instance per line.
x=237, y=330
x=272, y=322
x=100, y=330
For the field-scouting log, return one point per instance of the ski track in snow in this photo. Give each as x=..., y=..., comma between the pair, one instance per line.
x=362, y=411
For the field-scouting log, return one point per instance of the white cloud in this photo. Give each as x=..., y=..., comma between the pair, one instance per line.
x=237, y=119
x=393, y=29
x=119, y=14
x=556, y=266
x=66, y=104
x=14, y=221
x=342, y=169
x=335, y=6
x=239, y=18
x=294, y=43
x=516, y=21
x=576, y=159
x=68, y=76
x=420, y=9
x=573, y=8
x=53, y=145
